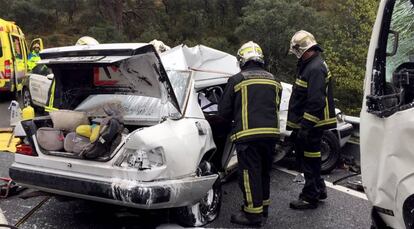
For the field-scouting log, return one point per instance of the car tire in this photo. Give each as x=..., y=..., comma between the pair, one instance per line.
x=208, y=208
x=330, y=151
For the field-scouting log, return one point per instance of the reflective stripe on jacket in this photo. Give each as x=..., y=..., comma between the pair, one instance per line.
x=251, y=100
x=311, y=102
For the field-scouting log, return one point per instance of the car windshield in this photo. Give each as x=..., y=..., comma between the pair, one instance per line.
x=136, y=107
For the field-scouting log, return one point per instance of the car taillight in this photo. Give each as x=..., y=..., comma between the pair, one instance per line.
x=25, y=150
x=7, y=69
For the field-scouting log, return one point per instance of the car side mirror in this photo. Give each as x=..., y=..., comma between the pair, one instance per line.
x=393, y=36
x=50, y=76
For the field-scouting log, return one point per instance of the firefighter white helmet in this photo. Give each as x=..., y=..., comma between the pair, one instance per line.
x=250, y=51
x=86, y=40
x=301, y=42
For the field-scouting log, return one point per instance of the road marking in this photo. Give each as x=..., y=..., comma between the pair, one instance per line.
x=3, y=219
x=329, y=184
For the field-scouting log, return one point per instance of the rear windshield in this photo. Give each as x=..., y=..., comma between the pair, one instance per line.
x=134, y=84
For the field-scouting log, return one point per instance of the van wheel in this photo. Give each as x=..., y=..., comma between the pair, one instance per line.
x=330, y=152
x=208, y=208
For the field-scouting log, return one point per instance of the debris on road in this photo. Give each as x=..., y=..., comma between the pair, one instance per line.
x=8, y=187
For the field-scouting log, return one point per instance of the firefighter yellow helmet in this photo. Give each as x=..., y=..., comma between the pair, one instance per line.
x=86, y=40
x=301, y=42
x=250, y=51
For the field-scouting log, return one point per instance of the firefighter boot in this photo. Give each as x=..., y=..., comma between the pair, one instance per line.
x=248, y=219
x=323, y=195
x=301, y=204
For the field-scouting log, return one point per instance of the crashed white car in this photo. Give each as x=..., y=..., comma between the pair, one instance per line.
x=211, y=69
x=164, y=153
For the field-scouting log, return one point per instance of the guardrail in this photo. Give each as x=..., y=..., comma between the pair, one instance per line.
x=355, y=121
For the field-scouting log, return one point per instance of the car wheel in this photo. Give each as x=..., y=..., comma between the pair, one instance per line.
x=208, y=208
x=330, y=152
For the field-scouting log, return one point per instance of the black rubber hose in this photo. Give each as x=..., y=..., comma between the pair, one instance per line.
x=345, y=177
x=7, y=226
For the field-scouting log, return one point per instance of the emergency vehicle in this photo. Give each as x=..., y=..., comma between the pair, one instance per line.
x=13, y=56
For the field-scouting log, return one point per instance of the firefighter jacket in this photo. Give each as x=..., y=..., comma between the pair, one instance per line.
x=311, y=102
x=251, y=100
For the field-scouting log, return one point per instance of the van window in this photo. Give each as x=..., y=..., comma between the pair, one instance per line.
x=402, y=22
x=17, y=47
x=392, y=87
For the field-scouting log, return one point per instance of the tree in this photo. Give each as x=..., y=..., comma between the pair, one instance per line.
x=347, y=47
x=272, y=23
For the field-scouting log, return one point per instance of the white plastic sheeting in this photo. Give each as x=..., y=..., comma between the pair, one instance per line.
x=209, y=66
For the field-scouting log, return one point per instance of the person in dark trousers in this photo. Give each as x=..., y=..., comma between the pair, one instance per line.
x=311, y=111
x=251, y=102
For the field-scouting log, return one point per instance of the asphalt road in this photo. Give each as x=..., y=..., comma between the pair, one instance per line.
x=340, y=210
x=4, y=114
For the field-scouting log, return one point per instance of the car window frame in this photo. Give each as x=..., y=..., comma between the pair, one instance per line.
x=15, y=54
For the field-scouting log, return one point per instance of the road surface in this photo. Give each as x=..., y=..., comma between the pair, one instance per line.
x=342, y=209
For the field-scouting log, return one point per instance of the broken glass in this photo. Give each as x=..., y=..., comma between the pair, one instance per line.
x=402, y=22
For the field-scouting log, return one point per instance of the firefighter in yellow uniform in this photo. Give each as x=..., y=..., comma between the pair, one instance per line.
x=311, y=111
x=251, y=102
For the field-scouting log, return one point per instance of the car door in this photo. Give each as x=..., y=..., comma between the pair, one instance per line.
x=39, y=88
x=20, y=59
x=387, y=115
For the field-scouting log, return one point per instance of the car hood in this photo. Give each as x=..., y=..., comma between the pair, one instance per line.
x=138, y=65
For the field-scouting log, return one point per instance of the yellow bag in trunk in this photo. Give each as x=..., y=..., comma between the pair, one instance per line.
x=84, y=130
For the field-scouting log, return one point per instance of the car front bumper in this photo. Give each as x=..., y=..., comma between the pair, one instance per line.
x=145, y=195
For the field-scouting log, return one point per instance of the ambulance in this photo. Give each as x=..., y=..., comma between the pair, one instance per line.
x=13, y=57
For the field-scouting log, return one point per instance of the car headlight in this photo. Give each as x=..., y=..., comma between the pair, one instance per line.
x=142, y=159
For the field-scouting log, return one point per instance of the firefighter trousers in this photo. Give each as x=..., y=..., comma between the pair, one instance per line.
x=255, y=160
x=308, y=154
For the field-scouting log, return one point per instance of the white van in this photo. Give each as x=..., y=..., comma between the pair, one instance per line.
x=387, y=117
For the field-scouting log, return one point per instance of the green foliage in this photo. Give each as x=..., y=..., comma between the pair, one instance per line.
x=346, y=49
x=272, y=23
x=343, y=28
